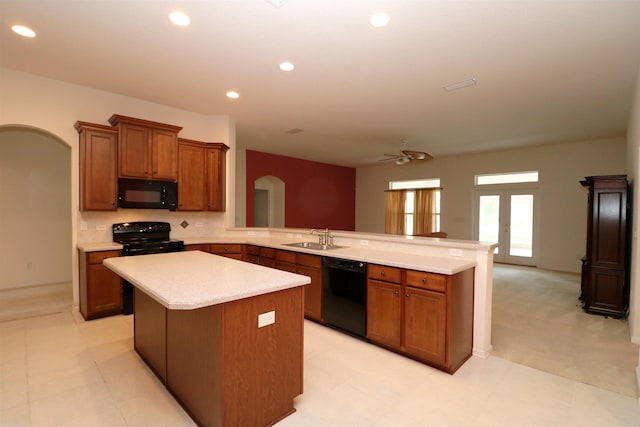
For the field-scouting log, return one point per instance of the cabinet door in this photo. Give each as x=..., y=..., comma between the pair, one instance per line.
x=383, y=313
x=606, y=292
x=191, y=178
x=134, y=151
x=164, y=155
x=216, y=183
x=425, y=324
x=312, y=292
x=104, y=291
x=98, y=170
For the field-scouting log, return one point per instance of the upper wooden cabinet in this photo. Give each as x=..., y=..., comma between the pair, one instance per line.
x=216, y=166
x=191, y=176
x=148, y=150
x=98, y=166
x=201, y=176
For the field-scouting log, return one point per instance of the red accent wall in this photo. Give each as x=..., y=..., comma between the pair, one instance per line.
x=317, y=195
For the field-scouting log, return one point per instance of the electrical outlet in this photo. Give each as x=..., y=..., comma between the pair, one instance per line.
x=251, y=233
x=266, y=319
x=101, y=227
x=455, y=252
x=198, y=225
x=364, y=242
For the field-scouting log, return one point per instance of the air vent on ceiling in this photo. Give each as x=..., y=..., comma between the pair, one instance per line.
x=294, y=131
x=277, y=3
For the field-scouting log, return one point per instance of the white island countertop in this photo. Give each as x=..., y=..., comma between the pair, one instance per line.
x=194, y=279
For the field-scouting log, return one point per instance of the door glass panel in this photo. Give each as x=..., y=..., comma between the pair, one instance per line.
x=521, y=226
x=489, y=225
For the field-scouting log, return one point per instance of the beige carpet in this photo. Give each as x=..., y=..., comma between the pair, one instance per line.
x=538, y=322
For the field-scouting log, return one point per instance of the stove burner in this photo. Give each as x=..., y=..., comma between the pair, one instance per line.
x=142, y=238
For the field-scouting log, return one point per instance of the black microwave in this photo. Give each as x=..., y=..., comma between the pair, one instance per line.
x=146, y=194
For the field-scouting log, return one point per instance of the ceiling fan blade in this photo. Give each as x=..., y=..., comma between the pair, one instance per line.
x=391, y=157
x=417, y=155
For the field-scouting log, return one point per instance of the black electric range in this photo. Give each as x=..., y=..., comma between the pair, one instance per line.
x=142, y=238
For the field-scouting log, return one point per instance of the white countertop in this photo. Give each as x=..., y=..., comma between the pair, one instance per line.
x=392, y=258
x=195, y=279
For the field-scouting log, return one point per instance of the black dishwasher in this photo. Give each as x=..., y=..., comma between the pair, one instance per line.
x=344, y=295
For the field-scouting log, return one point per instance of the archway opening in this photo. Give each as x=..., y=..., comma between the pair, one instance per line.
x=268, y=202
x=35, y=223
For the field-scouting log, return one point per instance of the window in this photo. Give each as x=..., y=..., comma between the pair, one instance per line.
x=413, y=207
x=507, y=178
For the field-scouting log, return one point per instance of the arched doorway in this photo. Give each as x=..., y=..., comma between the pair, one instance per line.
x=35, y=223
x=268, y=202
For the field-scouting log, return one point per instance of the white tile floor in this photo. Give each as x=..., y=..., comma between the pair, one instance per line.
x=59, y=370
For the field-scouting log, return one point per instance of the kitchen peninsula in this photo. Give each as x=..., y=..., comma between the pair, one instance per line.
x=224, y=336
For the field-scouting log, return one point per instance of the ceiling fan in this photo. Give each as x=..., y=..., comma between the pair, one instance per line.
x=405, y=156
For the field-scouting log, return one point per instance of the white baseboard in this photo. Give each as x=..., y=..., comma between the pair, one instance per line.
x=482, y=353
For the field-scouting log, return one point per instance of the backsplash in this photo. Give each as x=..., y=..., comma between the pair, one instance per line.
x=96, y=226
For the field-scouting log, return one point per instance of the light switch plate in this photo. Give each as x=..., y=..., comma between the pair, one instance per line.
x=266, y=319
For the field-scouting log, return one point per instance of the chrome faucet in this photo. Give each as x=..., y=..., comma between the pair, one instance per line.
x=324, y=236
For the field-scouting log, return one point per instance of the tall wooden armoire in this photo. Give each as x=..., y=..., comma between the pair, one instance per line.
x=605, y=267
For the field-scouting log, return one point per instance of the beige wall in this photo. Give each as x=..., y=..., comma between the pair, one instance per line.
x=54, y=106
x=562, y=200
x=35, y=217
x=633, y=163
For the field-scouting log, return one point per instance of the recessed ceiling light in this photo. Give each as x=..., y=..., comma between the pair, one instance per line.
x=23, y=31
x=287, y=66
x=233, y=94
x=460, y=85
x=379, y=19
x=180, y=18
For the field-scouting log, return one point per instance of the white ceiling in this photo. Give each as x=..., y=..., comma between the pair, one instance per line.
x=547, y=71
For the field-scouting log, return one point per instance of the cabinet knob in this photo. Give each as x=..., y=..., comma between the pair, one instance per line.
x=382, y=273
x=407, y=295
x=396, y=293
x=424, y=280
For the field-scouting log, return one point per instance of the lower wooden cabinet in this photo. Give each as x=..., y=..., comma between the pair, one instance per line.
x=384, y=313
x=100, y=288
x=310, y=265
x=425, y=324
x=425, y=316
x=233, y=251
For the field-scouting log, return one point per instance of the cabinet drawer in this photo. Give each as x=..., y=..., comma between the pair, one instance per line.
x=98, y=257
x=430, y=281
x=267, y=252
x=385, y=273
x=225, y=249
x=253, y=250
x=204, y=247
x=309, y=260
x=286, y=256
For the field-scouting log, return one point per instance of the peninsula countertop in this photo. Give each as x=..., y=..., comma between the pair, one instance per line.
x=194, y=279
x=413, y=261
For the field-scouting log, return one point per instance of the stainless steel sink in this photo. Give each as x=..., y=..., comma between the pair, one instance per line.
x=312, y=245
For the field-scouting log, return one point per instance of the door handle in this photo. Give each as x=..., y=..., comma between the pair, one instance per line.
x=507, y=228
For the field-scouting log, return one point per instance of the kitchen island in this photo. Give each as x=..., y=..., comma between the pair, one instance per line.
x=224, y=336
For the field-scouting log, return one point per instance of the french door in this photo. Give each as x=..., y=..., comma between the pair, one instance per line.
x=509, y=218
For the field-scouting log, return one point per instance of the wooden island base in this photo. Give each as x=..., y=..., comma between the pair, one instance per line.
x=220, y=366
